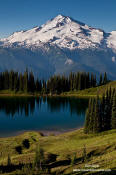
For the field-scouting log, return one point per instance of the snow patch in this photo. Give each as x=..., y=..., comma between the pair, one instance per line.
x=113, y=59
x=111, y=41
x=69, y=62
x=96, y=36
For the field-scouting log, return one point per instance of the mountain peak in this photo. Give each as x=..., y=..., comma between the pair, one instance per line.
x=61, y=18
x=67, y=19
x=63, y=31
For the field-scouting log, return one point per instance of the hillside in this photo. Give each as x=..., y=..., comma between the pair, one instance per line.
x=100, y=150
x=92, y=91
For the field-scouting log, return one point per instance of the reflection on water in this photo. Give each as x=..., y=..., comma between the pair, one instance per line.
x=42, y=113
x=74, y=105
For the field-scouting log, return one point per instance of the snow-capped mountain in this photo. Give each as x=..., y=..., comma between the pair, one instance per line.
x=62, y=31
x=60, y=46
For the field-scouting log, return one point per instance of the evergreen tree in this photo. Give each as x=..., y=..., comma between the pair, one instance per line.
x=73, y=160
x=40, y=86
x=102, y=112
x=16, y=81
x=80, y=82
x=97, y=125
x=113, y=119
x=1, y=82
x=25, y=78
x=39, y=158
x=87, y=118
x=84, y=154
x=101, y=80
x=44, y=87
x=71, y=81
x=88, y=80
x=37, y=85
x=107, y=112
x=6, y=80
x=9, y=160
x=105, y=80
x=11, y=80
x=87, y=121
x=31, y=82
x=92, y=112
x=92, y=80
x=21, y=87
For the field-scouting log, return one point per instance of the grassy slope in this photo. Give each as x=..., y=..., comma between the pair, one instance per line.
x=102, y=147
x=92, y=91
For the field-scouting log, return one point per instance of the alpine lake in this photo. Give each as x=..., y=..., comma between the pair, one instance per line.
x=44, y=114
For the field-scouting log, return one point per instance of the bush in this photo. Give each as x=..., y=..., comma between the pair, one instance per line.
x=51, y=157
x=39, y=158
x=18, y=149
x=9, y=160
x=84, y=154
x=26, y=143
x=73, y=160
x=41, y=134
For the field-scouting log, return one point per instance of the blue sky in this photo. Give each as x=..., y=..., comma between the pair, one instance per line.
x=18, y=15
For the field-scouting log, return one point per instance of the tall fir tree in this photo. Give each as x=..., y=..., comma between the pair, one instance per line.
x=6, y=80
x=105, y=80
x=16, y=82
x=11, y=80
x=21, y=83
x=87, y=117
x=25, y=80
x=113, y=119
x=97, y=125
x=102, y=111
x=31, y=82
x=92, y=111
x=101, y=80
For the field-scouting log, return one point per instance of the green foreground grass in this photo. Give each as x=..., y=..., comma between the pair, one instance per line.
x=100, y=148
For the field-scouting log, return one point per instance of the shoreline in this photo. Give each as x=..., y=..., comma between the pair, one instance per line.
x=43, y=133
x=47, y=95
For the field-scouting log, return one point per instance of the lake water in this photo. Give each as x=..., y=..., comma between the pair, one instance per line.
x=48, y=114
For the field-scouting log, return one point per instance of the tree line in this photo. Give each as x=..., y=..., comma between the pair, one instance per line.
x=26, y=82
x=101, y=113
